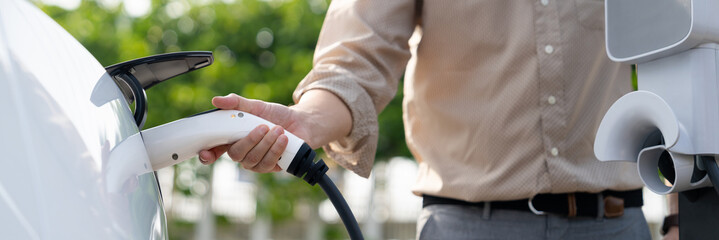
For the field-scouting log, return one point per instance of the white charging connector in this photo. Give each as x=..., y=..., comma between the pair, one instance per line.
x=177, y=141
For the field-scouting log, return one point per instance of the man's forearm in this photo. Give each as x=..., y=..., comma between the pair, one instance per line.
x=327, y=116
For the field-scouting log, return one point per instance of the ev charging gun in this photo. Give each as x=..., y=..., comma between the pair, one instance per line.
x=180, y=140
x=177, y=141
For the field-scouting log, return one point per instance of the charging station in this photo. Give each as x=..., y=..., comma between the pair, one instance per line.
x=670, y=125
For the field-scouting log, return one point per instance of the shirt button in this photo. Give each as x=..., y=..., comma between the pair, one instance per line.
x=544, y=2
x=551, y=100
x=554, y=151
x=549, y=49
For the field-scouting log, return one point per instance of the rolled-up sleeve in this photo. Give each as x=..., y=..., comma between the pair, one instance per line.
x=361, y=54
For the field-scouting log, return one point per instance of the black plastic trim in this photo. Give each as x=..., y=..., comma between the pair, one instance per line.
x=152, y=70
x=205, y=112
x=302, y=161
x=139, y=97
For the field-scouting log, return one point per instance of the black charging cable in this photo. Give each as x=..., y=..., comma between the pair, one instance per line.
x=303, y=166
x=712, y=169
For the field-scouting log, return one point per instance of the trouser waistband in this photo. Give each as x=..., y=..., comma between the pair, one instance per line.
x=607, y=203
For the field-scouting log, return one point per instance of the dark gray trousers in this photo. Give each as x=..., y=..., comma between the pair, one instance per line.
x=442, y=221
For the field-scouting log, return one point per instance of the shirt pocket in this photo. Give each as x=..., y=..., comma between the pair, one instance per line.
x=590, y=14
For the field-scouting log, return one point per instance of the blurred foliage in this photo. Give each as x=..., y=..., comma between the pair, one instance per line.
x=634, y=77
x=262, y=50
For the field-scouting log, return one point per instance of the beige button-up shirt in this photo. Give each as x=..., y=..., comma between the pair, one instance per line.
x=502, y=99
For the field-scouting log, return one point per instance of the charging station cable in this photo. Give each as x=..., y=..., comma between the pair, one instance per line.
x=712, y=171
x=303, y=167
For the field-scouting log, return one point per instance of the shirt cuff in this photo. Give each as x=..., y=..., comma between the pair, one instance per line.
x=356, y=151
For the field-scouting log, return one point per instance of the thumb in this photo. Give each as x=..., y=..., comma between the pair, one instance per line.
x=276, y=113
x=236, y=102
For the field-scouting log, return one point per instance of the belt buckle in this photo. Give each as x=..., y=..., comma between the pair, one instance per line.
x=534, y=210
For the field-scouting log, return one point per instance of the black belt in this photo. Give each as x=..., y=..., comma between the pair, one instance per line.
x=566, y=204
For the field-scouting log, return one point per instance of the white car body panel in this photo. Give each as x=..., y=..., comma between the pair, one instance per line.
x=73, y=163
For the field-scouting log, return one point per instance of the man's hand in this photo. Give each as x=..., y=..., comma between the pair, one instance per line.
x=262, y=147
x=319, y=118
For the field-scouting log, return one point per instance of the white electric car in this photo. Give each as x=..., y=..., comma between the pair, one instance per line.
x=73, y=163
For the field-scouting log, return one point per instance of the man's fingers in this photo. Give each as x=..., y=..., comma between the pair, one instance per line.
x=236, y=102
x=231, y=101
x=269, y=161
x=254, y=157
x=206, y=156
x=238, y=151
x=211, y=155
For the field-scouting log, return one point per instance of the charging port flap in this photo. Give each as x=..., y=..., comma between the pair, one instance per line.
x=157, y=68
x=135, y=76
